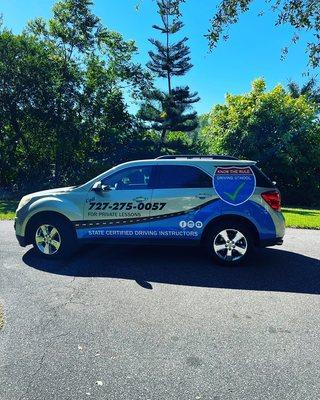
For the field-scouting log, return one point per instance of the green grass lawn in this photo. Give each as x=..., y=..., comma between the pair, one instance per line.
x=7, y=209
x=302, y=218
x=295, y=217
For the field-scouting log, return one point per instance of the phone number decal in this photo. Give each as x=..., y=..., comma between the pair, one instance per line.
x=97, y=206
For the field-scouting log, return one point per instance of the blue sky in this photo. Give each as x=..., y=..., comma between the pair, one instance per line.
x=253, y=49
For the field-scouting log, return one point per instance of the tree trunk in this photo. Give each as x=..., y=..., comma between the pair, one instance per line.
x=162, y=140
x=168, y=71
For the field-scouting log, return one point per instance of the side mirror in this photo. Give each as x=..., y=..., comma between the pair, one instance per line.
x=99, y=187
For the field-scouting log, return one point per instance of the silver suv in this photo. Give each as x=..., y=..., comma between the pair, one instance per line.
x=225, y=204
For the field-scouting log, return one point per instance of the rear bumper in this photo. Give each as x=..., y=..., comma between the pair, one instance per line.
x=271, y=242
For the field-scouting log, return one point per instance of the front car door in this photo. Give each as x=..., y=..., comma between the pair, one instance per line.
x=120, y=211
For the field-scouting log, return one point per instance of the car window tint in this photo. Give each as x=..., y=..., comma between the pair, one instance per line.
x=180, y=176
x=261, y=178
x=134, y=178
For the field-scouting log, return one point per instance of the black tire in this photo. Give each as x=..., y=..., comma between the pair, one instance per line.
x=215, y=239
x=66, y=235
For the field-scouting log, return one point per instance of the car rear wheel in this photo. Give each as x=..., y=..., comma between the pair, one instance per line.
x=230, y=243
x=53, y=237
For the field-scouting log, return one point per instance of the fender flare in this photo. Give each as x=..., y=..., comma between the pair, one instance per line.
x=51, y=205
x=235, y=218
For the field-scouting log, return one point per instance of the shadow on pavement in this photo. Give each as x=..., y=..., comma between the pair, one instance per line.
x=269, y=270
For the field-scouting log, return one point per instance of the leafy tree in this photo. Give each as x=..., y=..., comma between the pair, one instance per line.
x=27, y=98
x=300, y=14
x=279, y=131
x=62, y=108
x=169, y=111
x=180, y=143
x=94, y=63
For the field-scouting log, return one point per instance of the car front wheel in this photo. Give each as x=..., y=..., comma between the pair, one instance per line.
x=53, y=237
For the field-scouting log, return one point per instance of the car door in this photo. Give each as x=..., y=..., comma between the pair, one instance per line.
x=122, y=208
x=188, y=199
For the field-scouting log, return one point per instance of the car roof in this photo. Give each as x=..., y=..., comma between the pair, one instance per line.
x=201, y=162
x=191, y=161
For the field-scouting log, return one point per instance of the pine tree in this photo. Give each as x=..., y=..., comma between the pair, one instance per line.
x=310, y=89
x=169, y=110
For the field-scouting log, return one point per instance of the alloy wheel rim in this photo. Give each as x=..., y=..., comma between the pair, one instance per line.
x=48, y=239
x=230, y=245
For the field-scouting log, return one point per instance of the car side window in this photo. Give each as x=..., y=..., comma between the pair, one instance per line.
x=181, y=176
x=261, y=178
x=133, y=178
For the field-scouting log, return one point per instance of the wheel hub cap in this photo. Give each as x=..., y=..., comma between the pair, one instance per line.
x=48, y=239
x=230, y=245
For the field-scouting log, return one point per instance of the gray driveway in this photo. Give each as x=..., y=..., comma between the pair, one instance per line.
x=160, y=323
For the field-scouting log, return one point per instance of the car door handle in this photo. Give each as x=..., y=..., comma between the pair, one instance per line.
x=203, y=196
x=140, y=199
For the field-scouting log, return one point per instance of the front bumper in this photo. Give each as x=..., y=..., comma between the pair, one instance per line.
x=19, y=232
x=22, y=240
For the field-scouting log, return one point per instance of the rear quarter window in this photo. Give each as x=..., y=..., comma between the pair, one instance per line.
x=261, y=178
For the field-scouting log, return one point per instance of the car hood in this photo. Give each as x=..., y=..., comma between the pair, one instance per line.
x=52, y=191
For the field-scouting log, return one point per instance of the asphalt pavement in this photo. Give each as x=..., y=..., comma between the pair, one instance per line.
x=160, y=323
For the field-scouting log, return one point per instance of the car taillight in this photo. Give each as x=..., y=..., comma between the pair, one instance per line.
x=273, y=198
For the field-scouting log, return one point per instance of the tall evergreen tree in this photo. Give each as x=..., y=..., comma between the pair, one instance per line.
x=309, y=89
x=169, y=110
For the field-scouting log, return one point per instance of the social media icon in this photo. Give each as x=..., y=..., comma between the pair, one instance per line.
x=183, y=224
x=190, y=224
x=199, y=224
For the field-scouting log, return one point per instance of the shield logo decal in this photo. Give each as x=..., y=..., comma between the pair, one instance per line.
x=234, y=185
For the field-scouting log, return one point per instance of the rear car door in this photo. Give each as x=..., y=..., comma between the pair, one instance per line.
x=122, y=209
x=186, y=196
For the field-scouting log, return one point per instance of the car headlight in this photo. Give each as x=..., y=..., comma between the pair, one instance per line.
x=25, y=200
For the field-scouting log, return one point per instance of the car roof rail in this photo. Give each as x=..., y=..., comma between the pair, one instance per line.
x=202, y=156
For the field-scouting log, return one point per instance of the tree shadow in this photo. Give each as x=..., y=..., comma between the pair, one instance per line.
x=269, y=270
x=305, y=213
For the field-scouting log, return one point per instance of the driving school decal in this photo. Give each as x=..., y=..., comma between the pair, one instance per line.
x=234, y=185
